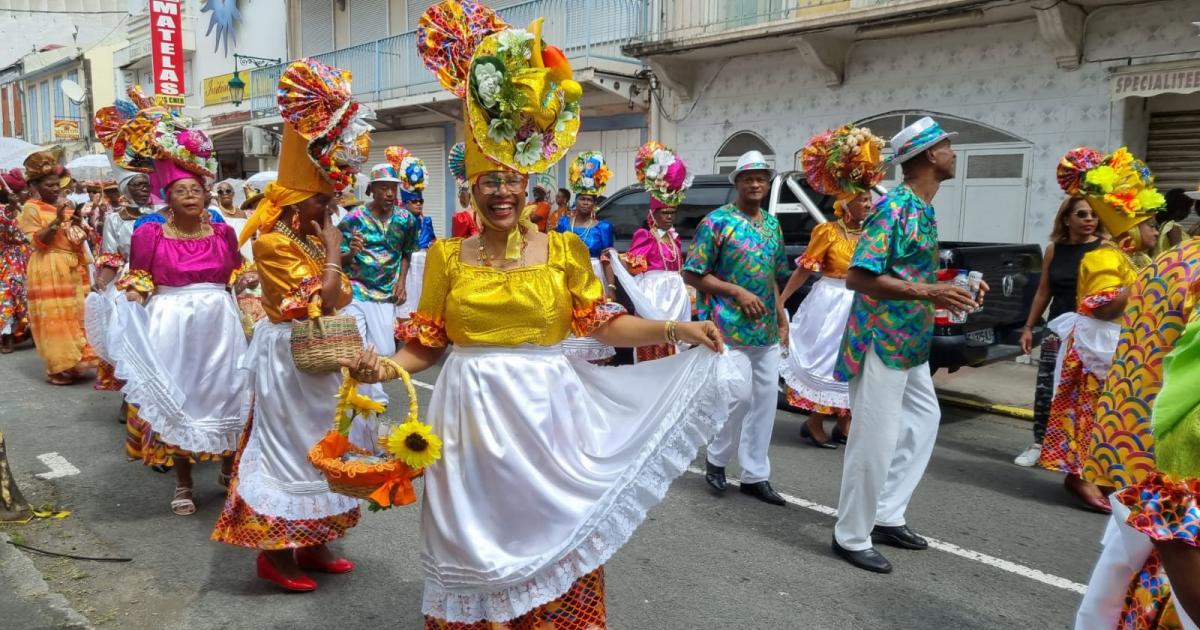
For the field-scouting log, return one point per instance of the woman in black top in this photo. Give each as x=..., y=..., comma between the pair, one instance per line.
x=1075, y=233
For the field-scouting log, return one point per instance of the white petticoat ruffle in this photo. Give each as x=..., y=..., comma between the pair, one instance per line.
x=815, y=341
x=560, y=475
x=178, y=356
x=1094, y=340
x=292, y=411
x=98, y=310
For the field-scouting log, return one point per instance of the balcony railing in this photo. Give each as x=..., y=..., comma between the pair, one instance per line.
x=684, y=20
x=389, y=68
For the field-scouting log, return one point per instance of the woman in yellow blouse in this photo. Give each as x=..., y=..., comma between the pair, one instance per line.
x=820, y=321
x=278, y=502
x=1090, y=335
x=542, y=477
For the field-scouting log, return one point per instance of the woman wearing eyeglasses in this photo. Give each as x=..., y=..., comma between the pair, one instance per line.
x=179, y=354
x=1074, y=234
x=589, y=174
x=549, y=464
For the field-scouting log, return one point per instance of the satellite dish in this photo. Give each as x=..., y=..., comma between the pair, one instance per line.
x=72, y=91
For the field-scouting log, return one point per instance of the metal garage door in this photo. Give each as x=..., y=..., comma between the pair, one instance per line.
x=1173, y=150
x=434, y=156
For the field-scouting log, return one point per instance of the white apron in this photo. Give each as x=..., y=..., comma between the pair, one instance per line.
x=179, y=357
x=542, y=477
x=412, y=285
x=292, y=411
x=1094, y=339
x=815, y=342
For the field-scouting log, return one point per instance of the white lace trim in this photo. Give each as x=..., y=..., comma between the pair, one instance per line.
x=295, y=501
x=692, y=422
x=828, y=393
x=587, y=349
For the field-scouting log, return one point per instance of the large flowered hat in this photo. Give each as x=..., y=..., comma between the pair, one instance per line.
x=115, y=126
x=522, y=104
x=664, y=175
x=315, y=102
x=1118, y=186
x=843, y=161
x=410, y=169
x=589, y=174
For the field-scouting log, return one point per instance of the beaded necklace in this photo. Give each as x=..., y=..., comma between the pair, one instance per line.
x=304, y=243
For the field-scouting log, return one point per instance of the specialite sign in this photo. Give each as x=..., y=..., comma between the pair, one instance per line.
x=166, y=49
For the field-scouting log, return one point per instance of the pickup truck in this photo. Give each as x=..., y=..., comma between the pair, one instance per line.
x=1011, y=270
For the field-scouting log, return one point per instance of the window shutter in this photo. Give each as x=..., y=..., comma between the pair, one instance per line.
x=316, y=27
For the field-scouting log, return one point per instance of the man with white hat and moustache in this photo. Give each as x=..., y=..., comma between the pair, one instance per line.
x=885, y=352
x=736, y=263
x=378, y=240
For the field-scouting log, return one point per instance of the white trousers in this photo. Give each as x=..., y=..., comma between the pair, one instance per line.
x=886, y=452
x=377, y=325
x=1125, y=551
x=752, y=419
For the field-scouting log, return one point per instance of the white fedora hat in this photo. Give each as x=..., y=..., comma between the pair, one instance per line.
x=384, y=172
x=916, y=138
x=751, y=161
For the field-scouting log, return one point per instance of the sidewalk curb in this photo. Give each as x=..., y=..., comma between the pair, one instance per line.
x=18, y=572
x=1011, y=411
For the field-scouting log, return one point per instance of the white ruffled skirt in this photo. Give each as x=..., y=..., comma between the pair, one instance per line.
x=98, y=310
x=412, y=285
x=815, y=341
x=179, y=357
x=1094, y=339
x=292, y=411
x=539, y=485
x=587, y=348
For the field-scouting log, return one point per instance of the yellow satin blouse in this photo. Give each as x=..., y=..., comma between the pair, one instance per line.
x=290, y=278
x=471, y=305
x=828, y=252
x=1103, y=272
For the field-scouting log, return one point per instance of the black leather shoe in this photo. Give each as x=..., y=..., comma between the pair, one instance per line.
x=807, y=436
x=763, y=492
x=900, y=536
x=714, y=476
x=838, y=436
x=867, y=559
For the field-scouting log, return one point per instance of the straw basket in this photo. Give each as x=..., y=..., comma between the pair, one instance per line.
x=319, y=342
x=385, y=484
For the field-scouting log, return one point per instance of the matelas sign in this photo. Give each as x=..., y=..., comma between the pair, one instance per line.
x=166, y=48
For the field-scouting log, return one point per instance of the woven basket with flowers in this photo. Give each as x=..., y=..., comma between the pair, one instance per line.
x=383, y=476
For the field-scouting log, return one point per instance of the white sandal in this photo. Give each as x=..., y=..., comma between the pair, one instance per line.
x=181, y=505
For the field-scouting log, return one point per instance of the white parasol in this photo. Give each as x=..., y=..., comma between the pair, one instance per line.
x=93, y=166
x=13, y=152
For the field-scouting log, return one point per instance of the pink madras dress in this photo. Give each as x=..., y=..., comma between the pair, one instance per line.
x=179, y=354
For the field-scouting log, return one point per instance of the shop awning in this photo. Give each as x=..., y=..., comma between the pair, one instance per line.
x=1146, y=80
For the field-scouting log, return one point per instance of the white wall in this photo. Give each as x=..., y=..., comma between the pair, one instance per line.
x=1004, y=76
x=261, y=32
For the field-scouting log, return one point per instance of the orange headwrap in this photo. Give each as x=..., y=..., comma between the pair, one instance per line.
x=298, y=180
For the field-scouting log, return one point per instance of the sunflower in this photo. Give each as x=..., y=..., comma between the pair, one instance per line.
x=415, y=444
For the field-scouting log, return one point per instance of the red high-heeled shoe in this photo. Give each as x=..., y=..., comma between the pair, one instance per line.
x=268, y=572
x=309, y=562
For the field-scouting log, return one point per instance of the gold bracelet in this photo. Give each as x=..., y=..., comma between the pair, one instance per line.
x=672, y=333
x=667, y=331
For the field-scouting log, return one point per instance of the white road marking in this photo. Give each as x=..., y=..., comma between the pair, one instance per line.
x=950, y=548
x=58, y=465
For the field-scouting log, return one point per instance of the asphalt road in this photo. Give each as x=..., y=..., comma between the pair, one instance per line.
x=1013, y=550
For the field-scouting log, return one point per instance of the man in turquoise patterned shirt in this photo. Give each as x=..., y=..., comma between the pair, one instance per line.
x=378, y=240
x=885, y=353
x=736, y=263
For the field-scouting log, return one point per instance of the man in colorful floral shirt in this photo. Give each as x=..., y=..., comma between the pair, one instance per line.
x=885, y=353
x=736, y=263
x=378, y=239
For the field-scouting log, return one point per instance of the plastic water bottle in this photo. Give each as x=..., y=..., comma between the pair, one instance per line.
x=974, y=280
x=962, y=280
